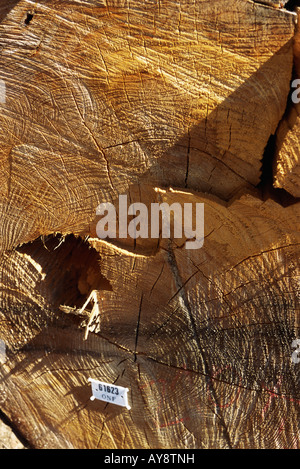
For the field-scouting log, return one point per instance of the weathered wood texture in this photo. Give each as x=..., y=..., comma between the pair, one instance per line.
x=287, y=161
x=107, y=98
x=8, y=440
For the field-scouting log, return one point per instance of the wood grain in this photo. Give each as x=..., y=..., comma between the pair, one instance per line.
x=287, y=160
x=100, y=96
x=161, y=101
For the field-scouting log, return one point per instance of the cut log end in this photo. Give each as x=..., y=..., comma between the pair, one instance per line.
x=174, y=103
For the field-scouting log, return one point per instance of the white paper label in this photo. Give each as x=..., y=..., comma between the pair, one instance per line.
x=2, y=352
x=109, y=393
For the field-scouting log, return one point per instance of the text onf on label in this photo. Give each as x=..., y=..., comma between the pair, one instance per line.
x=109, y=393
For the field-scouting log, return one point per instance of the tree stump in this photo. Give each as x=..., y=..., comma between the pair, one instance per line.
x=164, y=102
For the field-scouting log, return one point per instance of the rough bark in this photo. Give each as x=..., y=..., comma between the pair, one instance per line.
x=164, y=102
